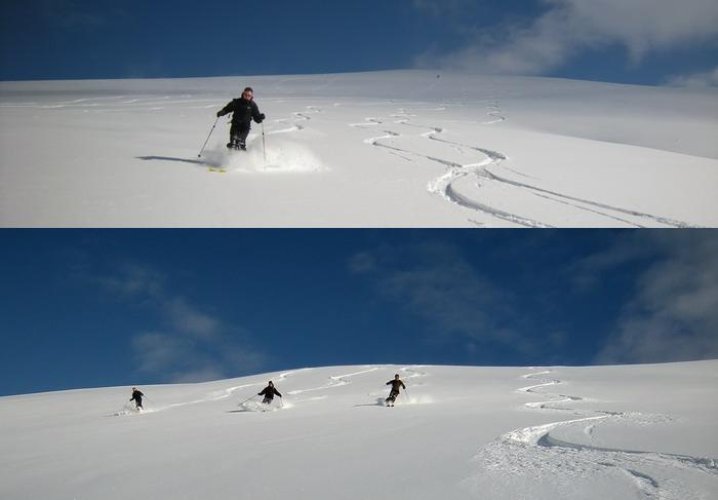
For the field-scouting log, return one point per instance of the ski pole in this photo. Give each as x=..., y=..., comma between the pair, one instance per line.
x=240, y=404
x=207, y=140
x=264, y=146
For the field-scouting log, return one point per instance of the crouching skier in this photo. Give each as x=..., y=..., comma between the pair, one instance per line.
x=269, y=393
x=395, y=385
x=243, y=110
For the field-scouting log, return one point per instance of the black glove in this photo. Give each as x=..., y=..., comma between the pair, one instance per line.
x=261, y=118
x=219, y=113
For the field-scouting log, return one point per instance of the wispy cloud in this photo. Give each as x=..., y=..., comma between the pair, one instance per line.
x=567, y=28
x=673, y=311
x=433, y=281
x=132, y=280
x=189, y=344
x=700, y=79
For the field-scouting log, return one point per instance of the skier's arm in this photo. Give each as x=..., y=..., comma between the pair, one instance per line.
x=256, y=115
x=227, y=109
x=277, y=393
x=402, y=384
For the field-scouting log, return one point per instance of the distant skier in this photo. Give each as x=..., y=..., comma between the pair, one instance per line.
x=243, y=110
x=137, y=398
x=269, y=392
x=395, y=385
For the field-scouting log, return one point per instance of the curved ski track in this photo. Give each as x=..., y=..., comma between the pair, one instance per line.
x=333, y=381
x=295, y=122
x=534, y=451
x=412, y=372
x=462, y=183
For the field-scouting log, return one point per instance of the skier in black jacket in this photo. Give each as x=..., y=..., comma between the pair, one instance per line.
x=243, y=110
x=137, y=398
x=268, y=393
x=395, y=385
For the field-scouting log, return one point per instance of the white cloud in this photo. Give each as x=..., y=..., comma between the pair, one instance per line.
x=569, y=27
x=362, y=262
x=159, y=352
x=193, y=345
x=702, y=79
x=673, y=312
x=587, y=272
x=132, y=280
x=178, y=358
x=644, y=25
x=189, y=320
x=435, y=282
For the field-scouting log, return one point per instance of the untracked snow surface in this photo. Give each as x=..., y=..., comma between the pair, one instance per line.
x=385, y=149
x=614, y=432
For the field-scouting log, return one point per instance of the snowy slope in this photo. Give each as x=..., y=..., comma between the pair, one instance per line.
x=616, y=432
x=397, y=149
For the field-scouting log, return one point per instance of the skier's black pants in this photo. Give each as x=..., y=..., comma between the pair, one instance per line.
x=239, y=131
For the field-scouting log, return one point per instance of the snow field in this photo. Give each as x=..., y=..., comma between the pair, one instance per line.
x=396, y=149
x=462, y=432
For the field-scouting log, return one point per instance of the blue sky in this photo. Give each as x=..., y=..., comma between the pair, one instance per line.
x=87, y=308
x=630, y=41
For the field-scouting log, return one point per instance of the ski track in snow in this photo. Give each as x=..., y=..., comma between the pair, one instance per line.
x=250, y=405
x=470, y=171
x=531, y=454
x=463, y=182
x=295, y=123
x=534, y=453
x=286, y=158
x=213, y=396
x=335, y=381
x=122, y=103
